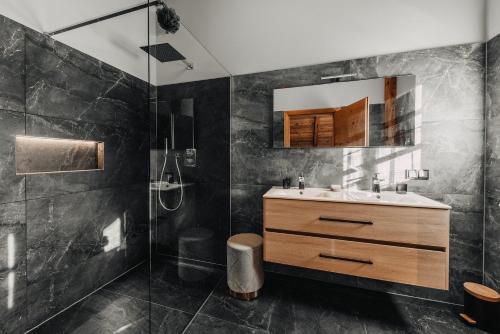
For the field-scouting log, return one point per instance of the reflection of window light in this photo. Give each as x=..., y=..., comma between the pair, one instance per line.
x=352, y=166
x=123, y=328
x=11, y=251
x=10, y=293
x=418, y=115
x=385, y=166
x=113, y=233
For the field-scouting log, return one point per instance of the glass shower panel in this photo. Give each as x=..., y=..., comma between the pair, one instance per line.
x=74, y=146
x=189, y=166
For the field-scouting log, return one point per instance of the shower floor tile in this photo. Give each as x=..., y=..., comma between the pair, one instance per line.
x=107, y=312
x=175, y=285
x=194, y=299
x=208, y=325
x=301, y=306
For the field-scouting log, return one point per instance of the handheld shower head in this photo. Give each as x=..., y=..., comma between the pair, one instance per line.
x=176, y=158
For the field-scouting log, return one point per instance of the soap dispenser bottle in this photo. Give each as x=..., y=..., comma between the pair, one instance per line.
x=302, y=181
x=376, y=183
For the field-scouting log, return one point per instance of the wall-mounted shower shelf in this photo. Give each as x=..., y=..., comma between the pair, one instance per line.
x=40, y=155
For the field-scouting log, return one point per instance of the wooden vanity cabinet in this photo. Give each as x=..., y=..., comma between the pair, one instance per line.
x=400, y=244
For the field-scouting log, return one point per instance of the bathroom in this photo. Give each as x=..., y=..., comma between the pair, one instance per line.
x=148, y=149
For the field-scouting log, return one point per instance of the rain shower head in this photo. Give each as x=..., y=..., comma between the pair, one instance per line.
x=163, y=52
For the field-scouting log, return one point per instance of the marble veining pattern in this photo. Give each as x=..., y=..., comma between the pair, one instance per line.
x=200, y=228
x=13, y=186
x=449, y=133
x=12, y=69
x=63, y=83
x=12, y=267
x=287, y=305
x=72, y=238
x=492, y=167
x=80, y=230
x=126, y=152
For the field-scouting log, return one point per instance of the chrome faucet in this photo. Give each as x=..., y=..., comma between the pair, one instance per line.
x=302, y=181
x=376, y=183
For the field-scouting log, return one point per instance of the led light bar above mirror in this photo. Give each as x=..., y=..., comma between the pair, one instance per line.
x=40, y=155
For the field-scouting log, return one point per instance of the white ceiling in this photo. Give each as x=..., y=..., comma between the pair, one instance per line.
x=493, y=18
x=116, y=41
x=258, y=35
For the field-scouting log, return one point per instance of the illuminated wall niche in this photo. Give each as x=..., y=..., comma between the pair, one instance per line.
x=40, y=155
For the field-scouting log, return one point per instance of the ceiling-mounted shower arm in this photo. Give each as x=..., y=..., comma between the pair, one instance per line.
x=104, y=18
x=189, y=66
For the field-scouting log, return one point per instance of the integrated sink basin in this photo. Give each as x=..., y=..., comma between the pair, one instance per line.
x=356, y=196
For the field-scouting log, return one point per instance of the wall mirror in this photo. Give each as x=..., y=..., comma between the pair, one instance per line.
x=360, y=113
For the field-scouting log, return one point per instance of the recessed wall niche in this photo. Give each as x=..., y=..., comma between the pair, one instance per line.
x=40, y=155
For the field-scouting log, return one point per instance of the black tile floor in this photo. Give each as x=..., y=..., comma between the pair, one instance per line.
x=188, y=298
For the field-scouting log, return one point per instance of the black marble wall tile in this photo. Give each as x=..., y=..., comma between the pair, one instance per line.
x=213, y=213
x=492, y=166
x=78, y=242
x=13, y=186
x=12, y=267
x=211, y=122
x=200, y=228
x=12, y=69
x=449, y=133
x=63, y=83
x=125, y=156
x=69, y=95
x=452, y=144
x=171, y=228
x=246, y=208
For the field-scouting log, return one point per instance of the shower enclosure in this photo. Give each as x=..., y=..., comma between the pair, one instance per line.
x=189, y=171
x=103, y=111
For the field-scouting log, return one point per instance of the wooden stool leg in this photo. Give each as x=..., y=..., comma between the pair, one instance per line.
x=468, y=319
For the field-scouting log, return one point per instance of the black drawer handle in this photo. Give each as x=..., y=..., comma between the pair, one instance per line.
x=341, y=258
x=347, y=221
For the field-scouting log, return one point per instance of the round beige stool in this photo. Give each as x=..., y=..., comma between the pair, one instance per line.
x=245, y=275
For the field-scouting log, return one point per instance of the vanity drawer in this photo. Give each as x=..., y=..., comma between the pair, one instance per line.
x=408, y=225
x=389, y=263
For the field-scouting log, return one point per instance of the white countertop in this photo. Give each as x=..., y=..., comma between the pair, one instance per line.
x=356, y=196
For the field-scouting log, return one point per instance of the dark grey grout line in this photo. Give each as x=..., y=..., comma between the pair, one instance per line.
x=126, y=185
x=89, y=122
x=13, y=202
x=234, y=323
x=199, y=309
x=196, y=261
x=144, y=300
x=85, y=297
x=228, y=321
x=12, y=111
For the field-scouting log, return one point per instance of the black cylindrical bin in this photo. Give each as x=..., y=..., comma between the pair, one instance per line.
x=481, y=307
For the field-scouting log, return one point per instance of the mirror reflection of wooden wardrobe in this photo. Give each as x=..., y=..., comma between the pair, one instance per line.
x=331, y=127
